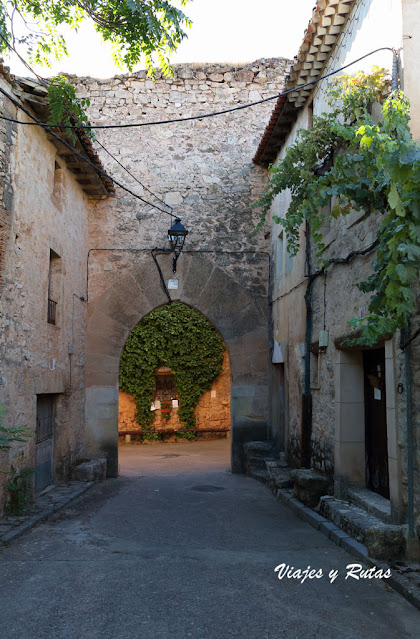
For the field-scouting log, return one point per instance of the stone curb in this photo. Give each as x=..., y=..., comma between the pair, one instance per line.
x=32, y=520
x=342, y=539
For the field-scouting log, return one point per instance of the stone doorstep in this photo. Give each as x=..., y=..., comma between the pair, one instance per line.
x=259, y=474
x=257, y=462
x=92, y=470
x=398, y=580
x=371, y=502
x=383, y=541
x=279, y=477
x=258, y=449
x=310, y=485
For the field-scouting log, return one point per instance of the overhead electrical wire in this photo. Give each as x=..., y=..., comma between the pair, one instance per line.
x=45, y=84
x=133, y=176
x=204, y=115
x=80, y=156
x=49, y=126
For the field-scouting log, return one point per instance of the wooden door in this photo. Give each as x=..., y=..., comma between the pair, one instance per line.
x=44, y=441
x=376, y=440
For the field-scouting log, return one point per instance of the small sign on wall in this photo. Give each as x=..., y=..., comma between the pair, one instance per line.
x=213, y=394
x=172, y=284
x=174, y=403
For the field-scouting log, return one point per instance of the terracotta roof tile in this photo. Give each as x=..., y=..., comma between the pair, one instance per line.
x=327, y=23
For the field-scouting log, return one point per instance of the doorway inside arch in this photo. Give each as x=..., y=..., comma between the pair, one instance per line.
x=174, y=395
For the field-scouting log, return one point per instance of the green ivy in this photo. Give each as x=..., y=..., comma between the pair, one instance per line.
x=18, y=490
x=365, y=163
x=177, y=336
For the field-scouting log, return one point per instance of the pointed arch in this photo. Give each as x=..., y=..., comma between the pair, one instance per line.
x=240, y=316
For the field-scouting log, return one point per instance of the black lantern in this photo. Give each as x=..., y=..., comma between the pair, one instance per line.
x=176, y=235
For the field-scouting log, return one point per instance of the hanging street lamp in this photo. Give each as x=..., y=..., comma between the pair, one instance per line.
x=176, y=235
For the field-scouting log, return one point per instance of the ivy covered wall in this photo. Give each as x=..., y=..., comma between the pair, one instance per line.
x=177, y=336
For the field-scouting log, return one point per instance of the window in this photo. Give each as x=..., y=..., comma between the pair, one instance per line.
x=165, y=388
x=54, y=286
x=58, y=182
x=311, y=115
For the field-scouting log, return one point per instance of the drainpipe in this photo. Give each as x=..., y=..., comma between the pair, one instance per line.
x=306, y=432
x=405, y=339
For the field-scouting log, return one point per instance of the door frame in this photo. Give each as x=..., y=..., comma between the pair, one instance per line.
x=349, y=466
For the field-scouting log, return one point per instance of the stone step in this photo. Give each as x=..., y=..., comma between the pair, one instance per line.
x=383, y=541
x=259, y=474
x=371, y=502
x=256, y=462
x=258, y=449
x=310, y=485
x=279, y=478
x=90, y=470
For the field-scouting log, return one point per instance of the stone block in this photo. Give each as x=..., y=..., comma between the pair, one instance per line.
x=355, y=548
x=309, y=486
x=93, y=470
x=338, y=535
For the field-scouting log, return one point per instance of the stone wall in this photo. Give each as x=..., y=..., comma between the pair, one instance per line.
x=34, y=354
x=7, y=140
x=213, y=408
x=337, y=375
x=203, y=168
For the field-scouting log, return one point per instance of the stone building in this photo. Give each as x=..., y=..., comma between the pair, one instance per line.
x=44, y=200
x=76, y=268
x=203, y=169
x=212, y=414
x=364, y=448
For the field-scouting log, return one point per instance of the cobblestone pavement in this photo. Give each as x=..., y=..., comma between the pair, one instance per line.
x=174, y=551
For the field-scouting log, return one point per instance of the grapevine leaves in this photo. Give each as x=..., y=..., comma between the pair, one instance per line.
x=355, y=163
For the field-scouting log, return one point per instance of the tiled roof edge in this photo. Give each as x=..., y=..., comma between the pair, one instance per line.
x=16, y=82
x=326, y=25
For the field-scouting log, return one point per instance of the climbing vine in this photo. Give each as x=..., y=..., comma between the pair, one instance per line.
x=177, y=336
x=65, y=107
x=360, y=156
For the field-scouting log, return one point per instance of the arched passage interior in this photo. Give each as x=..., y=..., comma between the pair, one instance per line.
x=123, y=297
x=174, y=378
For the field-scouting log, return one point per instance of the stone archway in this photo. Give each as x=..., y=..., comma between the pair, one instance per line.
x=122, y=297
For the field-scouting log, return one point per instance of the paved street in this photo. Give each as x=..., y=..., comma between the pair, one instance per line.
x=177, y=547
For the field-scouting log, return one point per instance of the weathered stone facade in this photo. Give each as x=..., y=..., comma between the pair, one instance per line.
x=53, y=238
x=337, y=374
x=43, y=247
x=202, y=168
x=212, y=412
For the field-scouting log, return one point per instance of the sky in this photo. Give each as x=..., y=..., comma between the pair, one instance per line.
x=222, y=31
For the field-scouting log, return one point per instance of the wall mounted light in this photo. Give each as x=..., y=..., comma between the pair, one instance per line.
x=176, y=235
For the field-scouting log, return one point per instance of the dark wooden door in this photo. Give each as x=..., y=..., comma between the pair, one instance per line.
x=376, y=440
x=44, y=441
